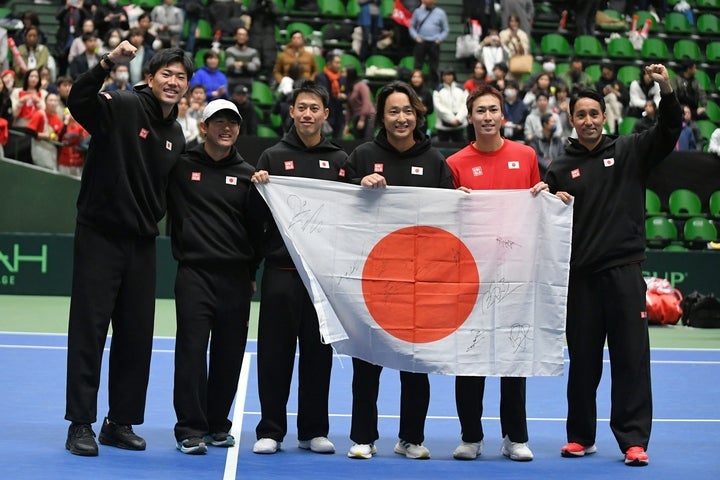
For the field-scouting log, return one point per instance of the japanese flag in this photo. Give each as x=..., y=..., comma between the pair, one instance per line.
x=432, y=280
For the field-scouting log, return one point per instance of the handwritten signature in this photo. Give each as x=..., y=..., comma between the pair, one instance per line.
x=497, y=292
x=520, y=336
x=479, y=335
x=309, y=220
x=506, y=243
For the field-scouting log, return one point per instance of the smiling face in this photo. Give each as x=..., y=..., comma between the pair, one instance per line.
x=588, y=119
x=308, y=115
x=486, y=117
x=399, y=118
x=169, y=84
x=221, y=130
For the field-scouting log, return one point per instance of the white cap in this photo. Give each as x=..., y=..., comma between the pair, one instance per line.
x=218, y=105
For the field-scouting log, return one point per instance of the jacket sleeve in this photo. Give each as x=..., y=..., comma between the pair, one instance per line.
x=661, y=139
x=87, y=106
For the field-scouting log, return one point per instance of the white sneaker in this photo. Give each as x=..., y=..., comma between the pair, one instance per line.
x=362, y=450
x=520, y=452
x=468, y=450
x=411, y=450
x=317, y=445
x=266, y=445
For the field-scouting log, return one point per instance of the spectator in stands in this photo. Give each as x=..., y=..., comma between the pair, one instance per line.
x=334, y=82
x=417, y=82
x=642, y=90
x=585, y=12
x=522, y=10
x=250, y=119
x=688, y=89
x=533, y=122
x=479, y=77
x=428, y=28
x=371, y=23
x=194, y=11
x=264, y=14
x=210, y=75
x=77, y=47
x=491, y=51
x=562, y=108
x=576, y=78
x=714, y=146
x=6, y=115
x=514, y=38
x=198, y=101
x=46, y=127
x=71, y=155
x=226, y=16
x=515, y=112
x=64, y=85
x=360, y=118
x=690, y=136
x=499, y=74
x=449, y=100
x=8, y=79
x=150, y=40
x=143, y=54
x=119, y=78
x=113, y=37
x=33, y=55
x=168, y=22
x=295, y=52
x=88, y=59
x=481, y=10
x=109, y=16
x=188, y=124
x=615, y=93
x=29, y=19
x=242, y=62
x=649, y=119
x=70, y=18
x=541, y=84
x=46, y=80
x=548, y=146
x=27, y=99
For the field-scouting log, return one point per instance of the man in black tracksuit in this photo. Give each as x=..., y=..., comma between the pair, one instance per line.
x=135, y=143
x=215, y=246
x=287, y=316
x=400, y=154
x=606, y=175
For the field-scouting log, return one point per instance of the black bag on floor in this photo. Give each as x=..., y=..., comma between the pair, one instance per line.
x=701, y=311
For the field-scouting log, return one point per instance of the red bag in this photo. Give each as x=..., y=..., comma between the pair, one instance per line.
x=662, y=302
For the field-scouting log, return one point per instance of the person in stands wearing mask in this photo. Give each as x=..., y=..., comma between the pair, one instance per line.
x=120, y=79
x=491, y=52
x=515, y=112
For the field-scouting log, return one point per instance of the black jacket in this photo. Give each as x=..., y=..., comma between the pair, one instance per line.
x=132, y=150
x=608, y=184
x=291, y=158
x=207, y=207
x=419, y=166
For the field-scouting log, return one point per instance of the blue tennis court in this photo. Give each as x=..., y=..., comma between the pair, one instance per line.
x=684, y=443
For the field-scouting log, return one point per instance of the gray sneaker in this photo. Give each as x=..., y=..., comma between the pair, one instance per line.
x=411, y=450
x=468, y=450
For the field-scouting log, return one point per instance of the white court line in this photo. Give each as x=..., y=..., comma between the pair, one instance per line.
x=231, y=460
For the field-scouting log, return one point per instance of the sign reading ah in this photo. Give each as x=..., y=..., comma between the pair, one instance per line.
x=12, y=261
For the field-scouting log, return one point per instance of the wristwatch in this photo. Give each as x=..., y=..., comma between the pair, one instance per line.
x=106, y=57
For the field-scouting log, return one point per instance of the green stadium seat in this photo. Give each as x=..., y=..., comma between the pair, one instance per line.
x=200, y=53
x=644, y=15
x=347, y=59
x=675, y=248
x=621, y=48
x=613, y=27
x=594, y=71
x=204, y=31
x=380, y=61
x=588, y=46
x=687, y=48
x=714, y=210
x=704, y=80
x=626, y=126
x=698, y=231
x=409, y=63
x=708, y=25
x=707, y=4
x=706, y=128
x=660, y=232
x=653, y=205
x=261, y=94
x=265, y=131
x=655, y=48
x=684, y=203
x=712, y=51
x=627, y=73
x=386, y=8
x=555, y=44
x=333, y=37
x=713, y=111
x=332, y=8
x=352, y=8
x=304, y=28
x=677, y=23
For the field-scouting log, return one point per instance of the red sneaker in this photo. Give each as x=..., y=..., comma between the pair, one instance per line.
x=572, y=450
x=636, y=457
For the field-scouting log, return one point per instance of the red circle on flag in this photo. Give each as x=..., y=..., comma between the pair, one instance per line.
x=420, y=283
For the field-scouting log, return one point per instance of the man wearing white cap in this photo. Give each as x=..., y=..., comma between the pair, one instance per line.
x=214, y=245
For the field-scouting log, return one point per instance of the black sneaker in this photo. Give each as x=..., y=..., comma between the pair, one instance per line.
x=220, y=439
x=120, y=436
x=81, y=440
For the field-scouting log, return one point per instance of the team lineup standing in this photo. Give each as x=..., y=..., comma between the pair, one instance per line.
x=287, y=317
